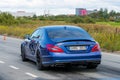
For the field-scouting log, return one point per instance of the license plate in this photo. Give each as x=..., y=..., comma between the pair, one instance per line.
x=77, y=48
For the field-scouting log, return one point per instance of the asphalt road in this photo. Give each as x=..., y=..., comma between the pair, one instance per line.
x=12, y=67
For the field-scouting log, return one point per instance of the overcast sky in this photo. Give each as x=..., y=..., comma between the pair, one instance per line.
x=57, y=6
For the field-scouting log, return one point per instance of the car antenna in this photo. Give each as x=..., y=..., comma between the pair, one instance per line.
x=65, y=27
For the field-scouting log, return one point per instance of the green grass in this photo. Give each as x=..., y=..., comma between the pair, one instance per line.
x=114, y=24
x=106, y=34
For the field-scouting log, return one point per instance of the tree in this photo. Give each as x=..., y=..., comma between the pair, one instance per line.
x=6, y=19
x=105, y=14
x=34, y=17
x=112, y=13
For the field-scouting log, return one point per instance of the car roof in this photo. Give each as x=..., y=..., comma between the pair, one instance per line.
x=59, y=26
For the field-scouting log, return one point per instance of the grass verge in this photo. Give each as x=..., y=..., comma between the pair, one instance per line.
x=107, y=35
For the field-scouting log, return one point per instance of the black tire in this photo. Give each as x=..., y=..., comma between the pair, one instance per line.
x=39, y=62
x=23, y=56
x=92, y=66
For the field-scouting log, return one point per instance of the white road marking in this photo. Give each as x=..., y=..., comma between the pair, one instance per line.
x=30, y=74
x=13, y=67
x=2, y=62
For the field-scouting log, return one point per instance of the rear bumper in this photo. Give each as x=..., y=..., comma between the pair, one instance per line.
x=72, y=58
x=79, y=62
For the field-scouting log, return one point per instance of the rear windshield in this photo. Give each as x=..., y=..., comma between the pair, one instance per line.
x=67, y=33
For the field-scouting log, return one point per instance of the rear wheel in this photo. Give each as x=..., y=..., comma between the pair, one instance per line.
x=39, y=62
x=92, y=66
x=23, y=56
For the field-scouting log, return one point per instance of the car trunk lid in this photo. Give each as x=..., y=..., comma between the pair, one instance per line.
x=76, y=46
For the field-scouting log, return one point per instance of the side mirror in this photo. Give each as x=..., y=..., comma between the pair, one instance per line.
x=27, y=36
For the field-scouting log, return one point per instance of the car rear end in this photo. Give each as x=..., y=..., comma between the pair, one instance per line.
x=71, y=45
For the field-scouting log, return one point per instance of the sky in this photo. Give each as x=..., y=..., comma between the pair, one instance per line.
x=55, y=7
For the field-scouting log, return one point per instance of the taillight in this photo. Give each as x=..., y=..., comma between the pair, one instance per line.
x=96, y=48
x=53, y=48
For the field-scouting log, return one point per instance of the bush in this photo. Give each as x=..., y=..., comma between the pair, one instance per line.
x=117, y=20
x=89, y=20
x=81, y=19
x=76, y=20
x=6, y=19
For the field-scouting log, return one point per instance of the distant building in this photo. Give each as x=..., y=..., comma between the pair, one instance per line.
x=83, y=11
x=22, y=14
x=70, y=14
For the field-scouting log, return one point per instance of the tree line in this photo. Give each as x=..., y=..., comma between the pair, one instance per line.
x=103, y=15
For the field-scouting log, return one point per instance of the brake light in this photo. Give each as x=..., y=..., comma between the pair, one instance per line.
x=53, y=48
x=96, y=48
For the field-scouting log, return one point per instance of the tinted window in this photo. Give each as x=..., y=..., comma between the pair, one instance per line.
x=67, y=33
x=37, y=34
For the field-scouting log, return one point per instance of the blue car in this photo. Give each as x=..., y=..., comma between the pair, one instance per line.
x=61, y=45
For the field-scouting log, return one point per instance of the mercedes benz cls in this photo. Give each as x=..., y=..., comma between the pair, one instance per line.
x=61, y=45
